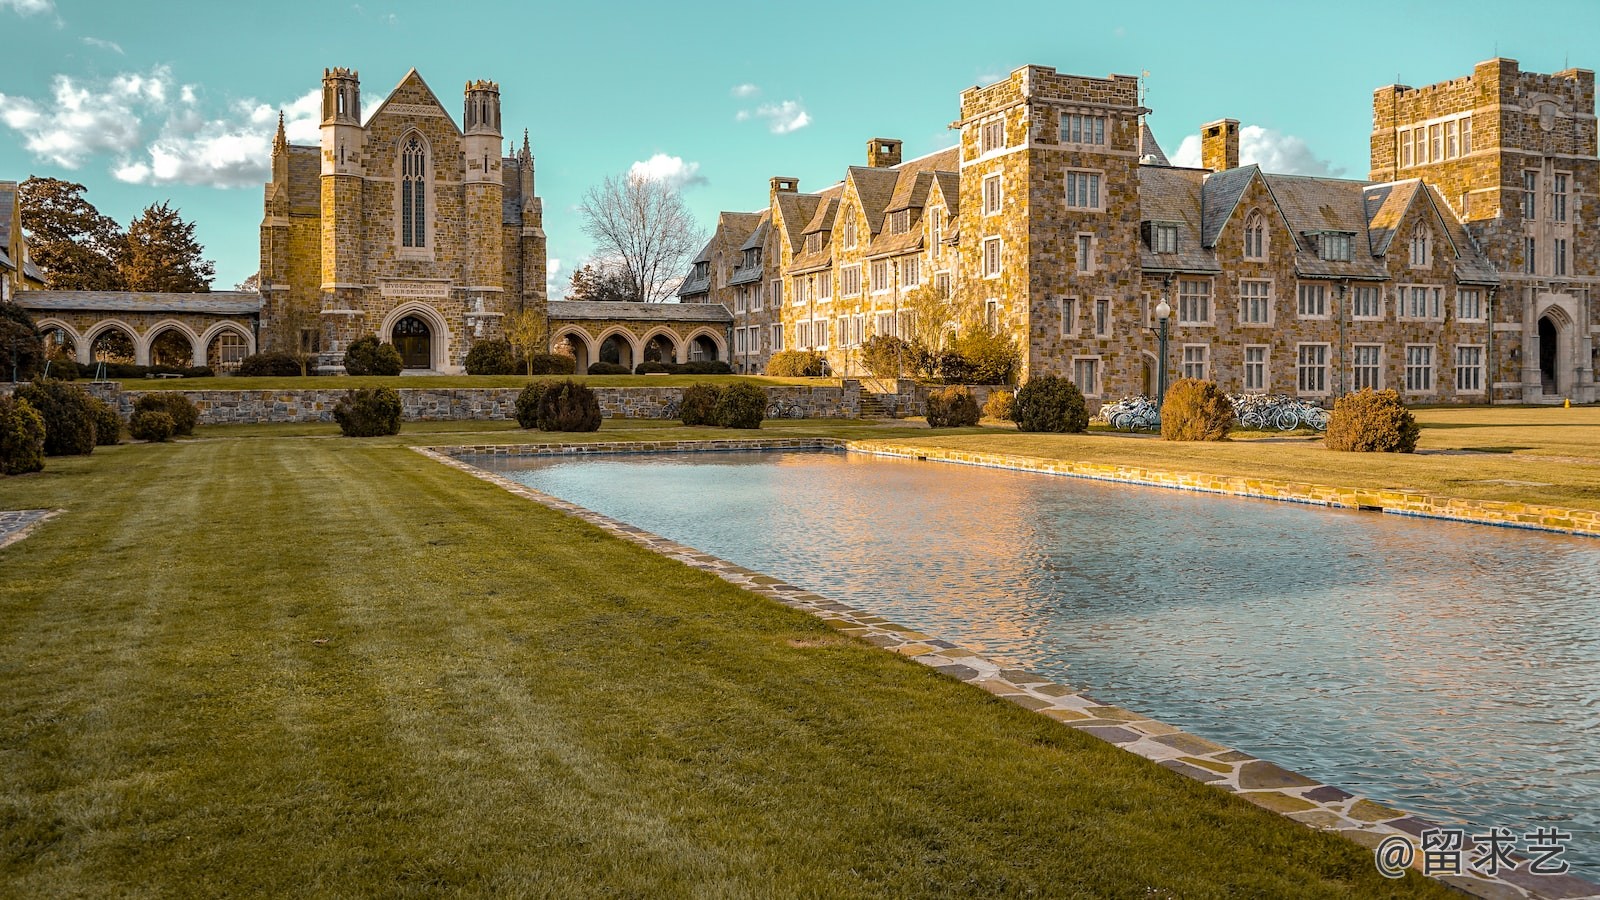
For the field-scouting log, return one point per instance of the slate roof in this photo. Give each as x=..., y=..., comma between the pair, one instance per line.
x=1386, y=206
x=640, y=312
x=1470, y=264
x=1311, y=204
x=222, y=303
x=1172, y=196
x=1220, y=196
x=950, y=187
x=1149, y=147
x=8, y=206
x=797, y=210
x=875, y=187
x=5, y=261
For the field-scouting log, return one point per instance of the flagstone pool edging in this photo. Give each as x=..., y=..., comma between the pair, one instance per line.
x=1269, y=786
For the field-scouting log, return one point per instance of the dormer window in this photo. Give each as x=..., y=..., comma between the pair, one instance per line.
x=1163, y=238
x=1334, y=246
x=814, y=242
x=900, y=221
x=702, y=270
x=752, y=257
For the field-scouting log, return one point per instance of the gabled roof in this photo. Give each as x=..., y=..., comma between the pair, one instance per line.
x=1386, y=208
x=1310, y=205
x=950, y=188
x=875, y=187
x=1471, y=266
x=797, y=210
x=413, y=78
x=1220, y=196
x=758, y=237
x=1149, y=147
x=822, y=219
x=1172, y=196
x=8, y=207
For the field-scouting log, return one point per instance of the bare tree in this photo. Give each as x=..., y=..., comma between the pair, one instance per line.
x=643, y=222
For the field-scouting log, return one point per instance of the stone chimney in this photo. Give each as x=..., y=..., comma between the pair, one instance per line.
x=783, y=184
x=883, y=153
x=1219, y=145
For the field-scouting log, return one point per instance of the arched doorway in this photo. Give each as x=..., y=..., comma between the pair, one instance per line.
x=1549, y=354
x=703, y=348
x=227, y=350
x=59, y=345
x=617, y=351
x=172, y=348
x=573, y=346
x=415, y=342
x=112, y=345
x=660, y=349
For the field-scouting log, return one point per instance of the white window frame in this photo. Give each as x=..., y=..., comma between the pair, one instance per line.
x=1421, y=257
x=880, y=282
x=1477, y=311
x=993, y=195
x=993, y=264
x=1530, y=195
x=911, y=272
x=1430, y=371
x=1321, y=294
x=992, y=135
x=824, y=291
x=1558, y=196
x=1186, y=300
x=991, y=314
x=1359, y=368
x=846, y=280
x=1256, y=235
x=1085, y=247
x=1477, y=368
x=1244, y=300
x=777, y=336
x=1067, y=307
x=1195, y=357
x=1084, y=125
x=1263, y=366
x=1319, y=368
x=1097, y=370
x=1093, y=184
x=819, y=333
x=1102, y=317
x=1376, y=292
x=1432, y=299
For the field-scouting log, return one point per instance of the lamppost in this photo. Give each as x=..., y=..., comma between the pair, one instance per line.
x=1163, y=312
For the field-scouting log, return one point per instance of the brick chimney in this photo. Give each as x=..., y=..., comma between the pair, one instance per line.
x=883, y=153
x=1219, y=145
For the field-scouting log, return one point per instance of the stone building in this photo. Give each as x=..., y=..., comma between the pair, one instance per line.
x=1458, y=273
x=406, y=225
x=17, y=271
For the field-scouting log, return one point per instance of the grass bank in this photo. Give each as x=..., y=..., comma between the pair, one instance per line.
x=347, y=382
x=273, y=661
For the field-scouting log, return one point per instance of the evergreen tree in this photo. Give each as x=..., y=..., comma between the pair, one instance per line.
x=163, y=254
x=600, y=281
x=78, y=248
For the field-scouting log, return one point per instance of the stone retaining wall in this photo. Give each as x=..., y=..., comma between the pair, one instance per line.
x=450, y=404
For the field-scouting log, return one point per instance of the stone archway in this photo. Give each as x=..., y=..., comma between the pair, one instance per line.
x=226, y=346
x=414, y=339
x=704, y=347
x=429, y=344
x=661, y=347
x=616, y=349
x=1549, y=356
x=173, y=348
x=574, y=343
x=114, y=343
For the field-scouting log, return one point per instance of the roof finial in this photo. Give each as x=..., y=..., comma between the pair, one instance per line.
x=525, y=150
x=280, y=141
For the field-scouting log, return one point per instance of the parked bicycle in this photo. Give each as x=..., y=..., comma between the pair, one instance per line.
x=1284, y=413
x=1138, y=413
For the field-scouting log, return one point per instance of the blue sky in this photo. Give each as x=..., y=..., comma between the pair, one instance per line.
x=153, y=101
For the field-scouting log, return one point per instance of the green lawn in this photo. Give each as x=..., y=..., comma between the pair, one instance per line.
x=273, y=661
x=346, y=382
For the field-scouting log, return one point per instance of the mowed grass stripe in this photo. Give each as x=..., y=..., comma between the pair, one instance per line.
x=509, y=701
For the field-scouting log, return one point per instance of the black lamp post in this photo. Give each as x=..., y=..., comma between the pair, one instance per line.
x=1163, y=313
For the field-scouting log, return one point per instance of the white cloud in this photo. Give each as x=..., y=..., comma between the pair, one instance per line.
x=153, y=130
x=1273, y=151
x=113, y=46
x=671, y=169
x=28, y=7
x=555, y=288
x=781, y=118
x=745, y=90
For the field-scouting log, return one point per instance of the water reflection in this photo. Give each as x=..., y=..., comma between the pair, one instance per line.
x=1451, y=669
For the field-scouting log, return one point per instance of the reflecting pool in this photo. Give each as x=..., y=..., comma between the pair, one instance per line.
x=1450, y=669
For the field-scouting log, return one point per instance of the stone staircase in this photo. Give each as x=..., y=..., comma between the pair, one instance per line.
x=873, y=407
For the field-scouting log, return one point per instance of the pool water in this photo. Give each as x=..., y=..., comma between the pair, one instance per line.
x=1450, y=669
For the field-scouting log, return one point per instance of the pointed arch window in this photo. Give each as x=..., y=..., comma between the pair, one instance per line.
x=1255, y=236
x=413, y=193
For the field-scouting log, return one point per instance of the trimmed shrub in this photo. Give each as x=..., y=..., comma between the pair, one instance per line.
x=68, y=414
x=64, y=369
x=1371, y=421
x=650, y=367
x=492, y=357
x=703, y=367
x=795, y=364
x=367, y=356
x=952, y=407
x=605, y=368
x=567, y=406
x=185, y=415
x=953, y=368
x=275, y=364
x=1196, y=410
x=741, y=405
x=21, y=437
x=550, y=364
x=1050, y=403
x=107, y=423
x=699, y=404
x=528, y=404
x=998, y=406
x=886, y=356
x=993, y=357
x=152, y=425
x=122, y=371
x=368, y=412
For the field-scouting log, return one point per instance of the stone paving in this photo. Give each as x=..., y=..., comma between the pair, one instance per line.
x=15, y=524
x=1258, y=781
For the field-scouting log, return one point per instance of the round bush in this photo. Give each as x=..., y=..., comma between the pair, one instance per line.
x=993, y=358
x=367, y=356
x=151, y=425
x=271, y=365
x=651, y=367
x=21, y=437
x=699, y=404
x=107, y=423
x=1050, y=403
x=998, y=406
x=605, y=368
x=954, y=368
x=369, y=412
x=528, y=404
x=1371, y=421
x=952, y=407
x=492, y=357
x=68, y=414
x=551, y=364
x=185, y=415
x=21, y=349
x=795, y=364
x=741, y=405
x=1196, y=410
x=568, y=406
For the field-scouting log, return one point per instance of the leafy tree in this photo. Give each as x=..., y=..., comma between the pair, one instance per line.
x=602, y=281
x=288, y=329
x=163, y=254
x=527, y=331
x=644, y=224
x=253, y=283
x=78, y=248
x=22, y=352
